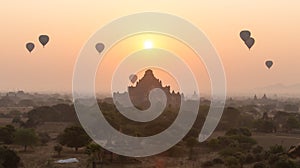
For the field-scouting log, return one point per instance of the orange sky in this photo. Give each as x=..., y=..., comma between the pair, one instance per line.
x=275, y=26
x=122, y=50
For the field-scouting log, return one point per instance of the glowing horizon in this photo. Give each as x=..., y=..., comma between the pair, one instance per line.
x=122, y=50
x=69, y=24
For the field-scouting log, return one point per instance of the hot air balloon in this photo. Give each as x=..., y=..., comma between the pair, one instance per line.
x=269, y=63
x=44, y=39
x=250, y=42
x=245, y=35
x=29, y=46
x=99, y=47
x=132, y=78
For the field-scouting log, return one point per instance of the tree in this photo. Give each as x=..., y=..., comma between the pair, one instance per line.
x=31, y=123
x=58, y=148
x=291, y=107
x=74, y=137
x=239, y=131
x=17, y=120
x=230, y=118
x=191, y=142
x=25, y=137
x=96, y=152
x=44, y=138
x=7, y=134
x=292, y=123
x=56, y=113
x=265, y=126
x=8, y=158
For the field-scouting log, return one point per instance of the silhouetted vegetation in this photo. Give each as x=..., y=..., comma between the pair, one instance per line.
x=58, y=148
x=239, y=125
x=25, y=137
x=74, y=137
x=7, y=134
x=44, y=138
x=8, y=158
x=56, y=113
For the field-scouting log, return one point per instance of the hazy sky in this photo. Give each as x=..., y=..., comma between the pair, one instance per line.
x=275, y=25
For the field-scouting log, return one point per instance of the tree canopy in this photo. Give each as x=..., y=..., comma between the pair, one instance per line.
x=7, y=134
x=8, y=158
x=25, y=137
x=74, y=137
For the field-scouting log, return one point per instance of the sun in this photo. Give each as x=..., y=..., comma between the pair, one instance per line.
x=148, y=44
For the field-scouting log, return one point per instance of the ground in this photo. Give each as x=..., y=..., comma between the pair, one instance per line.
x=45, y=156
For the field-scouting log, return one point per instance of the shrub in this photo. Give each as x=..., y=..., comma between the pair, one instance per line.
x=213, y=143
x=244, y=139
x=276, y=149
x=229, y=151
x=238, y=131
x=233, y=131
x=273, y=158
x=44, y=138
x=245, y=132
x=232, y=162
x=175, y=151
x=249, y=158
x=8, y=158
x=259, y=157
x=207, y=164
x=218, y=161
x=257, y=149
x=260, y=165
x=226, y=141
x=58, y=148
x=284, y=162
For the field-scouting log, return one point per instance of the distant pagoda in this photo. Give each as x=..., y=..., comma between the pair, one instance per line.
x=139, y=94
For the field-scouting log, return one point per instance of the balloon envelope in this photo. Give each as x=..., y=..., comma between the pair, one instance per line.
x=29, y=46
x=99, y=47
x=250, y=42
x=245, y=35
x=132, y=78
x=269, y=64
x=44, y=39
